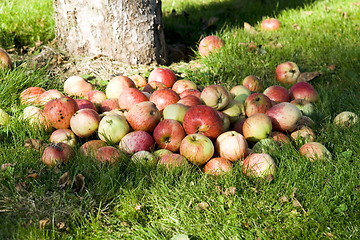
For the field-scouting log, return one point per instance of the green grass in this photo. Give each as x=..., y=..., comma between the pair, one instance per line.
x=144, y=201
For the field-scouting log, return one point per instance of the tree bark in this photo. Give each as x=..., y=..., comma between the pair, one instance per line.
x=129, y=31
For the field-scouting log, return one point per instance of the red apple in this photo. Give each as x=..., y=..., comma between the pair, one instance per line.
x=210, y=44
x=215, y=96
x=117, y=84
x=257, y=127
x=164, y=97
x=197, y=148
x=257, y=103
x=280, y=137
x=59, y=111
x=56, y=154
x=182, y=85
x=112, y=128
x=225, y=119
x=203, y=119
x=304, y=90
x=277, y=94
x=76, y=86
x=85, y=122
x=139, y=80
x=5, y=60
x=284, y=116
x=49, y=95
x=96, y=96
x=259, y=165
x=314, y=151
x=136, y=141
x=231, y=145
x=109, y=104
x=187, y=92
x=31, y=95
x=270, y=24
x=64, y=135
x=168, y=134
x=173, y=160
x=238, y=125
x=89, y=148
x=287, y=73
x=190, y=100
x=252, y=83
x=153, y=86
x=163, y=75
x=131, y=96
x=143, y=116
x=108, y=154
x=83, y=103
x=218, y=166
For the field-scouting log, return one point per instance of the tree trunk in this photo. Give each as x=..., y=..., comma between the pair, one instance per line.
x=129, y=31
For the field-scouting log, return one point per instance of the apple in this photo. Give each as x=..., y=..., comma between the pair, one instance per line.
x=131, y=96
x=218, y=166
x=83, y=103
x=114, y=112
x=346, y=119
x=164, y=97
x=168, y=134
x=279, y=137
x=59, y=111
x=231, y=145
x=64, y=135
x=31, y=95
x=314, y=151
x=240, y=93
x=139, y=80
x=270, y=24
x=117, y=84
x=259, y=165
x=163, y=75
x=256, y=103
x=238, y=125
x=4, y=117
x=161, y=152
x=108, y=154
x=252, y=83
x=187, y=92
x=175, y=111
x=57, y=154
x=182, y=85
x=304, y=90
x=136, y=141
x=49, y=95
x=284, y=116
x=143, y=116
x=303, y=135
x=203, y=119
x=306, y=121
x=112, y=128
x=257, y=127
x=197, y=148
x=190, y=100
x=306, y=107
x=210, y=44
x=153, y=86
x=215, y=96
x=225, y=119
x=287, y=73
x=85, y=122
x=89, y=148
x=266, y=145
x=144, y=157
x=96, y=96
x=277, y=94
x=36, y=118
x=109, y=104
x=5, y=60
x=76, y=86
x=173, y=160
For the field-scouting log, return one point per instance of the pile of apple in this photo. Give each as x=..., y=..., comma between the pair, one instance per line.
x=172, y=122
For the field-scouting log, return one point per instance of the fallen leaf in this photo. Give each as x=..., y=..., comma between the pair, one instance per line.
x=296, y=203
x=211, y=21
x=64, y=180
x=20, y=187
x=7, y=165
x=270, y=178
x=283, y=199
x=308, y=12
x=79, y=183
x=61, y=225
x=252, y=46
x=33, y=176
x=329, y=234
x=248, y=28
x=332, y=67
x=357, y=188
x=43, y=222
x=203, y=205
x=296, y=27
x=34, y=144
x=230, y=191
x=308, y=76
x=124, y=224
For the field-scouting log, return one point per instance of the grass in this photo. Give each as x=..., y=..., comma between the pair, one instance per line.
x=129, y=200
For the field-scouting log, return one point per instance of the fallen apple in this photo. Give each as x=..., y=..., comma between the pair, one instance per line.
x=259, y=165
x=197, y=148
x=346, y=119
x=210, y=44
x=218, y=166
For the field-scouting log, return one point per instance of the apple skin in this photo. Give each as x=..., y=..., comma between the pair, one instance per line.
x=85, y=122
x=5, y=60
x=218, y=166
x=49, y=95
x=139, y=80
x=287, y=73
x=96, y=97
x=163, y=75
x=257, y=127
x=303, y=90
x=144, y=157
x=187, y=92
x=153, y=86
x=83, y=103
x=231, y=145
x=270, y=24
x=136, y=141
x=303, y=134
x=314, y=151
x=109, y=104
x=215, y=96
x=259, y=165
x=108, y=154
x=164, y=97
x=161, y=152
x=284, y=116
x=197, y=148
x=143, y=116
x=252, y=83
x=175, y=111
x=36, y=118
x=173, y=160
x=203, y=119
x=168, y=134
x=76, y=86
x=256, y=103
x=131, y=96
x=59, y=111
x=306, y=107
x=280, y=138
x=240, y=93
x=64, y=135
x=238, y=125
x=112, y=128
x=225, y=119
x=277, y=94
x=31, y=95
x=190, y=100
x=117, y=84
x=346, y=119
x=183, y=84
x=56, y=154
x=89, y=148
x=210, y=44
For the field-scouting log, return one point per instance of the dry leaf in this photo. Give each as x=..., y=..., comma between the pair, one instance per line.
x=34, y=144
x=248, y=28
x=296, y=27
x=6, y=165
x=308, y=76
x=79, y=183
x=296, y=203
x=329, y=234
x=252, y=46
x=203, y=205
x=308, y=12
x=20, y=187
x=124, y=224
x=33, y=176
x=332, y=67
x=138, y=207
x=230, y=191
x=357, y=188
x=270, y=178
x=283, y=199
x=64, y=180
x=211, y=21
x=43, y=222
x=61, y=225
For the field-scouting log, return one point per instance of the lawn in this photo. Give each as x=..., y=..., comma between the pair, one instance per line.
x=306, y=200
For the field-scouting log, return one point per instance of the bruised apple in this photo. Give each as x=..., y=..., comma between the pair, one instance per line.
x=59, y=111
x=218, y=166
x=56, y=154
